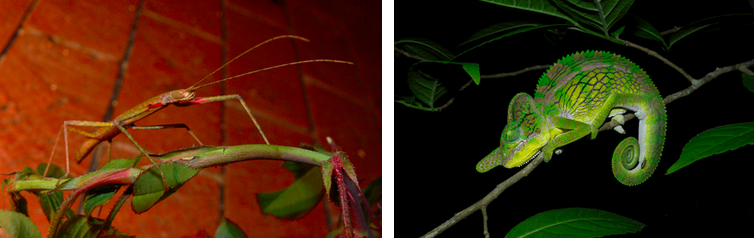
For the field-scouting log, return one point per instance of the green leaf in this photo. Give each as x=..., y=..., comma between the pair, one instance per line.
x=18, y=225
x=373, y=191
x=601, y=15
x=473, y=71
x=18, y=203
x=53, y=172
x=298, y=169
x=645, y=30
x=575, y=222
x=675, y=37
x=429, y=89
x=120, y=163
x=617, y=33
x=498, y=29
x=97, y=197
x=228, y=229
x=514, y=32
x=78, y=227
x=748, y=82
x=424, y=48
x=411, y=102
x=81, y=226
x=51, y=202
x=148, y=188
x=297, y=199
x=425, y=88
x=746, y=18
x=538, y=6
x=714, y=141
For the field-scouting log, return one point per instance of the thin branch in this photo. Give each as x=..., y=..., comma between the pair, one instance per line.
x=673, y=30
x=410, y=55
x=743, y=67
x=487, y=199
x=484, y=214
x=656, y=55
x=501, y=75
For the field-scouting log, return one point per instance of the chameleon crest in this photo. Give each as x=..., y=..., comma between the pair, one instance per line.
x=573, y=99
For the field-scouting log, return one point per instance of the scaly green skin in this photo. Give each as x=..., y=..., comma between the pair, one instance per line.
x=573, y=99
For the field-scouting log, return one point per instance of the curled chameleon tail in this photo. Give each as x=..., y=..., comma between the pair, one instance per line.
x=573, y=99
x=634, y=160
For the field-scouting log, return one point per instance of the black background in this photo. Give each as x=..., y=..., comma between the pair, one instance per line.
x=436, y=152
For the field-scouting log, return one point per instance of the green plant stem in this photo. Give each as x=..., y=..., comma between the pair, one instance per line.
x=197, y=157
x=220, y=155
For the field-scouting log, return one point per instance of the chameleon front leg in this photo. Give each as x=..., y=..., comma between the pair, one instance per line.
x=574, y=130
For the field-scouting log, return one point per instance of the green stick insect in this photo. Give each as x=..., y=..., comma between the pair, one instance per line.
x=182, y=97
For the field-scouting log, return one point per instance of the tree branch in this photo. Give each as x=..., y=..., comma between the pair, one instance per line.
x=487, y=199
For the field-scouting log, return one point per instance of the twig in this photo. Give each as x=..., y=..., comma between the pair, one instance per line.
x=656, y=55
x=484, y=214
x=673, y=30
x=500, y=75
x=487, y=199
x=410, y=55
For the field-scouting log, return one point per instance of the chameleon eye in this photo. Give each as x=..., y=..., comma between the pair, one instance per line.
x=512, y=135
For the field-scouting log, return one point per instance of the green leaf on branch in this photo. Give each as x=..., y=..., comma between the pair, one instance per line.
x=617, y=33
x=645, y=30
x=498, y=29
x=575, y=222
x=511, y=33
x=50, y=203
x=538, y=6
x=708, y=23
x=424, y=48
x=601, y=15
x=297, y=199
x=53, y=172
x=148, y=188
x=98, y=196
x=17, y=225
x=373, y=191
x=82, y=226
x=228, y=229
x=431, y=80
x=748, y=82
x=120, y=163
x=714, y=141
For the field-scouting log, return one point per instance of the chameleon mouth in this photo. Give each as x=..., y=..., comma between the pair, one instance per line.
x=532, y=157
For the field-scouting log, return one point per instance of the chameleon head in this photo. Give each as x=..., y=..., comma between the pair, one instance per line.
x=522, y=137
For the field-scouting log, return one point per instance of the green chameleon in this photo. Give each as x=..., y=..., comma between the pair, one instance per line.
x=573, y=99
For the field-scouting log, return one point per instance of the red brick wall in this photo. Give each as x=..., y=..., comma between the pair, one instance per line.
x=65, y=58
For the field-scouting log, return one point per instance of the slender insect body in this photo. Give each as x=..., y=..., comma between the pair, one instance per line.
x=182, y=97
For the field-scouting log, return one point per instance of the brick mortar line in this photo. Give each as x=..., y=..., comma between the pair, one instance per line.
x=305, y=94
x=181, y=26
x=312, y=130
x=18, y=28
x=246, y=13
x=223, y=107
x=122, y=66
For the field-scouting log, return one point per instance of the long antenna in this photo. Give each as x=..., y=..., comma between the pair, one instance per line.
x=247, y=51
x=273, y=67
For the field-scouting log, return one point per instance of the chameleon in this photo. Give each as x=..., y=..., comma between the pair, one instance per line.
x=572, y=100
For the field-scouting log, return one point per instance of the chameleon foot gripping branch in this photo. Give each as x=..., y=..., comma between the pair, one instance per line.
x=573, y=99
